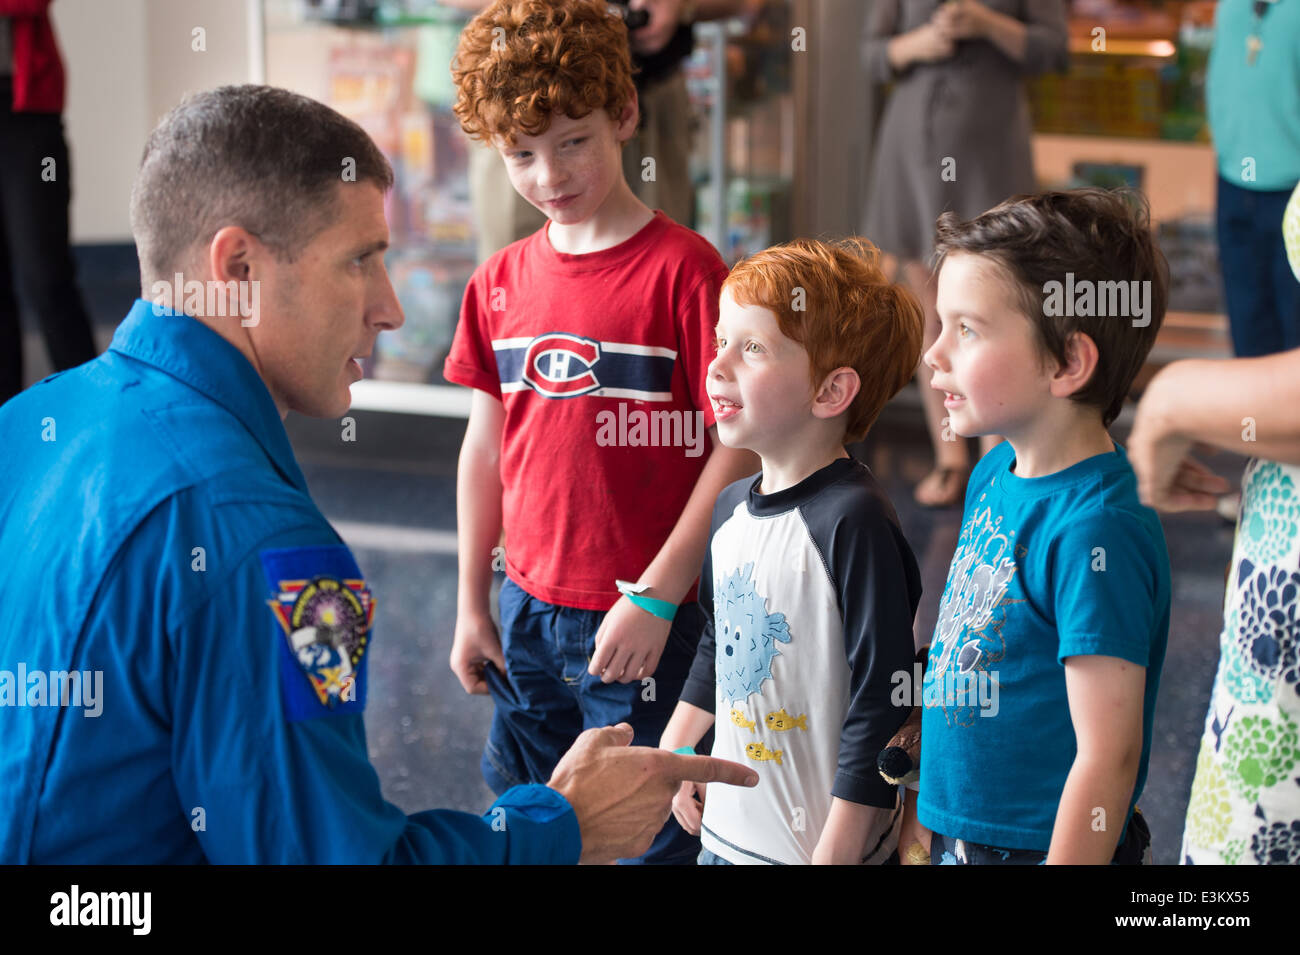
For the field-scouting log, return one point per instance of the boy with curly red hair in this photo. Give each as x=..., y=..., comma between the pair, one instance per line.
x=810, y=583
x=586, y=345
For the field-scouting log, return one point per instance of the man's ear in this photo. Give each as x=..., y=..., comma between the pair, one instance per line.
x=1081, y=357
x=837, y=392
x=236, y=264
x=231, y=254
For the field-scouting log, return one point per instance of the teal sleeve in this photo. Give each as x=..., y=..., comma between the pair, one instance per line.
x=1106, y=584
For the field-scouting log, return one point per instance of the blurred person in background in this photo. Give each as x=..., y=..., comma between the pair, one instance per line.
x=35, y=193
x=954, y=136
x=1252, y=99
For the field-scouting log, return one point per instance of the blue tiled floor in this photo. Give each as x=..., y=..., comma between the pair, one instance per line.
x=425, y=733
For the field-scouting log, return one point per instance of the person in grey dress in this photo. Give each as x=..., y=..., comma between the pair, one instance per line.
x=954, y=136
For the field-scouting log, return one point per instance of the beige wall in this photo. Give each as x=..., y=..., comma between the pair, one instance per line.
x=128, y=62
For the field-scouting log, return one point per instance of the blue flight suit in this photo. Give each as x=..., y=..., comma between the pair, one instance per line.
x=155, y=530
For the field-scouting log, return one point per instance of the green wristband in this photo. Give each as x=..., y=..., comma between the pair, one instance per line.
x=660, y=608
x=685, y=750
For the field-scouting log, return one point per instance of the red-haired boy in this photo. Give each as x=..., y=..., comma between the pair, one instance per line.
x=809, y=582
x=586, y=344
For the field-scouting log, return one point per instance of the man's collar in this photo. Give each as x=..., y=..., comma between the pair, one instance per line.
x=195, y=355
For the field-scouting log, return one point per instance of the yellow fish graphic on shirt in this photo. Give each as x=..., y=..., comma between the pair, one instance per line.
x=738, y=718
x=782, y=721
x=760, y=753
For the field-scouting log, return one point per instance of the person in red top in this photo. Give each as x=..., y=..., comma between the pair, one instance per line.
x=591, y=440
x=35, y=193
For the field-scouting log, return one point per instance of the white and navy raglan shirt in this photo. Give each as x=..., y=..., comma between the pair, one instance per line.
x=811, y=594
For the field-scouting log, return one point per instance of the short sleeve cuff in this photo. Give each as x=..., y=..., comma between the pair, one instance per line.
x=471, y=377
x=866, y=792
x=699, y=693
x=1137, y=652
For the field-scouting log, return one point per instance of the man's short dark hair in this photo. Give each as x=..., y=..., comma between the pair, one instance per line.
x=1082, y=239
x=261, y=158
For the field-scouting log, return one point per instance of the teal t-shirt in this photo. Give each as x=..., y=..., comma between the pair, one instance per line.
x=1254, y=108
x=1045, y=568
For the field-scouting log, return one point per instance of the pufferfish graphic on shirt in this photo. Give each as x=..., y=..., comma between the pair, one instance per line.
x=746, y=636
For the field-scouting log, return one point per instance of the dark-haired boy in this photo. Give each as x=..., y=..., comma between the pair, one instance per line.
x=603, y=316
x=1040, y=689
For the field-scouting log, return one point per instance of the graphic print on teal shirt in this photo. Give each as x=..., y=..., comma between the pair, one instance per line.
x=746, y=636
x=972, y=613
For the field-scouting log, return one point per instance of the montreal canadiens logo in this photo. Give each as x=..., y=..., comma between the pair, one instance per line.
x=561, y=366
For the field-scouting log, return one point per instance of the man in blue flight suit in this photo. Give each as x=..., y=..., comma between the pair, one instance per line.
x=183, y=636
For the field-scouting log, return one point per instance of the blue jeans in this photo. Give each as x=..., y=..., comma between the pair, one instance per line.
x=1260, y=291
x=547, y=698
x=711, y=858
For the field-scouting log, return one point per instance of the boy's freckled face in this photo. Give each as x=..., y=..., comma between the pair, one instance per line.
x=986, y=358
x=568, y=171
x=759, y=381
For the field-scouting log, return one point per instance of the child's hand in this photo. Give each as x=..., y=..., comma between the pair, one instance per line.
x=476, y=643
x=688, y=806
x=629, y=643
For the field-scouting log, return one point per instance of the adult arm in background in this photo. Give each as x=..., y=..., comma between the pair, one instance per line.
x=1040, y=43
x=1244, y=405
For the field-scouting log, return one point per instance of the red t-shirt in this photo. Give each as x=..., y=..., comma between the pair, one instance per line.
x=599, y=361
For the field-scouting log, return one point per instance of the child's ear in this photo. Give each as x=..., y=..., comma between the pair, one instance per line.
x=1081, y=357
x=837, y=392
x=628, y=118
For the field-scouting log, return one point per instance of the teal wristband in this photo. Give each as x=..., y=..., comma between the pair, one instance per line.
x=660, y=608
x=685, y=750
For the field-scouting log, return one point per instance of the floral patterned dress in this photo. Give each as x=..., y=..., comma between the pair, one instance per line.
x=1245, y=803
